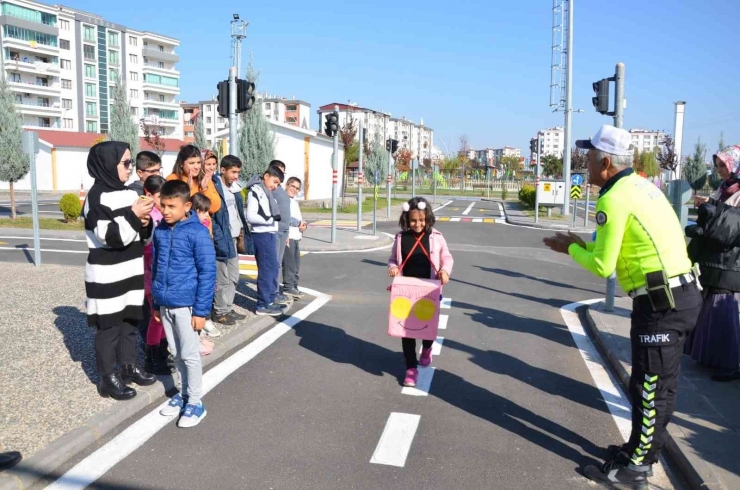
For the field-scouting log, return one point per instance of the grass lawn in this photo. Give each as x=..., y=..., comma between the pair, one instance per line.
x=543, y=214
x=44, y=224
x=367, y=206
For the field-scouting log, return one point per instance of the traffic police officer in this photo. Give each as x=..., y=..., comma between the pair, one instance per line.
x=639, y=235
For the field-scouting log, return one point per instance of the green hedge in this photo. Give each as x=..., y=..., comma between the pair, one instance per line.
x=527, y=195
x=70, y=206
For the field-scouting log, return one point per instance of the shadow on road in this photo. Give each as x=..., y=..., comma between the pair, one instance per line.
x=549, y=282
x=43, y=478
x=79, y=339
x=557, y=303
x=375, y=262
x=335, y=344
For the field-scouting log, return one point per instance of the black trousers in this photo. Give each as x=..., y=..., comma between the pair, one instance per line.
x=292, y=264
x=409, y=350
x=657, y=345
x=115, y=345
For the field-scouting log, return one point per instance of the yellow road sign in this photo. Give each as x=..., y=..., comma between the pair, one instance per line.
x=547, y=187
x=575, y=192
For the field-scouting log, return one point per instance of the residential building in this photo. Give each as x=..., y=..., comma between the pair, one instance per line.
x=62, y=63
x=417, y=137
x=288, y=111
x=190, y=113
x=554, y=141
x=212, y=122
x=491, y=156
x=647, y=140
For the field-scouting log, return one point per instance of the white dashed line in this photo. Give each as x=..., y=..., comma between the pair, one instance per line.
x=455, y=219
x=443, y=319
x=477, y=220
x=445, y=204
x=446, y=303
x=395, y=442
x=436, y=346
x=465, y=213
x=422, y=384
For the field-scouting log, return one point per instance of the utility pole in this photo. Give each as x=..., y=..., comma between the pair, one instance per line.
x=537, y=182
x=238, y=34
x=388, y=180
x=568, y=106
x=360, y=178
x=611, y=282
x=334, y=181
x=233, y=133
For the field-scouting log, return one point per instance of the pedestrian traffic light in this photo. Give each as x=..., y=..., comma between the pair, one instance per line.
x=601, y=100
x=223, y=98
x=331, y=126
x=533, y=145
x=388, y=144
x=245, y=97
x=394, y=146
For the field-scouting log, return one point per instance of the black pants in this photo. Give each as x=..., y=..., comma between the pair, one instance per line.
x=292, y=264
x=657, y=344
x=115, y=345
x=409, y=350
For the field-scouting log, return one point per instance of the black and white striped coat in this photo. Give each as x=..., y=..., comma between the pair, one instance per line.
x=114, y=273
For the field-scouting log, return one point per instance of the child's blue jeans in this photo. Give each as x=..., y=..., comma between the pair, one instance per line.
x=265, y=253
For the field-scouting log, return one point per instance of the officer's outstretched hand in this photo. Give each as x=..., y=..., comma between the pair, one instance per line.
x=559, y=243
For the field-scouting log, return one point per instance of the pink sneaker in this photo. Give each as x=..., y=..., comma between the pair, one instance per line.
x=411, y=376
x=206, y=346
x=426, y=357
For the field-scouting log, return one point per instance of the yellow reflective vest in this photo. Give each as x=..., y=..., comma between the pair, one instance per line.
x=637, y=232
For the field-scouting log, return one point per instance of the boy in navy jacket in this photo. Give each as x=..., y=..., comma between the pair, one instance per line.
x=183, y=281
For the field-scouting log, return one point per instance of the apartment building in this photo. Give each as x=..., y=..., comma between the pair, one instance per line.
x=554, y=141
x=417, y=137
x=62, y=64
x=288, y=111
x=647, y=140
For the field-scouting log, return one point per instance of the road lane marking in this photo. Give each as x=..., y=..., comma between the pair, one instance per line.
x=489, y=220
x=436, y=346
x=28, y=248
x=501, y=209
x=395, y=442
x=90, y=469
x=423, y=383
x=442, y=206
x=469, y=208
x=455, y=219
x=618, y=404
x=42, y=238
x=384, y=247
x=446, y=303
x=443, y=319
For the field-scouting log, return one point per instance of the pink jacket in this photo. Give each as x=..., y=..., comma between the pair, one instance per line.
x=438, y=251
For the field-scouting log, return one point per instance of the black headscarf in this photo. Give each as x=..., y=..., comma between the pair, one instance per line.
x=102, y=163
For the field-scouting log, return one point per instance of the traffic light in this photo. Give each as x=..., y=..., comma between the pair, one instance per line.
x=388, y=144
x=223, y=98
x=601, y=100
x=533, y=145
x=394, y=146
x=245, y=97
x=331, y=126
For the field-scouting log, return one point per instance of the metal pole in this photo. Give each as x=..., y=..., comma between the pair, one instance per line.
x=360, y=179
x=588, y=197
x=375, y=211
x=537, y=182
x=434, y=182
x=413, y=178
x=388, y=182
x=30, y=143
x=611, y=282
x=575, y=211
x=334, y=186
x=233, y=134
x=568, y=105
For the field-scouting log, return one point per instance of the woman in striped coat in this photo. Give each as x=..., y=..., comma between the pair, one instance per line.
x=116, y=224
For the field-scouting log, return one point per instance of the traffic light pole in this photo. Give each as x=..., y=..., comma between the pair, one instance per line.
x=388, y=182
x=334, y=184
x=611, y=282
x=537, y=183
x=233, y=134
x=360, y=180
x=568, y=107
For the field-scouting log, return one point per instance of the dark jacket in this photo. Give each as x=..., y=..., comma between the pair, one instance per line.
x=137, y=186
x=222, y=239
x=184, y=266
x=715, y=245
x=284, y=204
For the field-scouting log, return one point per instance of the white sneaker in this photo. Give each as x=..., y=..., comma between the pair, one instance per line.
x=192, y=415
x=174, y=407
x=211, y=330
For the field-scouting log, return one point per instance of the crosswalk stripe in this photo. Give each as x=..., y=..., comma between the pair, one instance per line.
x=446, y=303
x=423, y=383
x=443, y=319
x=455, y=219
x=477, y=220
x=395, y=442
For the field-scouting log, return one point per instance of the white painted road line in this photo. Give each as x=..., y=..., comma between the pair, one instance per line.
x=395, y=443
x=477, y=220
x=436, y=346
x=455, y=219
x=465, y=213
x=90, y=469
x=422, y=384
x=618, y=404
x=446, y=303
x=42, y=238
x=445, y=204
x=29, y=248
x=443, y=319
x=501, y=208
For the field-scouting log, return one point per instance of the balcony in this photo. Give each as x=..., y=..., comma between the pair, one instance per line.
x=163, y=89
x=155, y=102
x=35, y=88
x=37, y=109
x=10, y=42
x=154, y=67
x=165, y=55
x=28, y=65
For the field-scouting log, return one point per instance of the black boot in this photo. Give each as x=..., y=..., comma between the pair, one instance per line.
x=113, y=386
x=164, y=352
x=154, y=362
x=131, y=373
x=618, y=473
x=614, y=451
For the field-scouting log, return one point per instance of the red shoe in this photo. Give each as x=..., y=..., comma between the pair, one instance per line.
x=426, y=357
x=411, y=376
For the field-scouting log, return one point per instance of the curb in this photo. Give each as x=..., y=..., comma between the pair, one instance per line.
x=543, y=226
x=49, y=459
x=697, y=473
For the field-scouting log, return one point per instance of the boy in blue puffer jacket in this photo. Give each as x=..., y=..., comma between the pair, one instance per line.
x=183, y=281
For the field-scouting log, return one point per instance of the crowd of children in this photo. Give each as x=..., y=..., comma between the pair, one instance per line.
x=164, y=254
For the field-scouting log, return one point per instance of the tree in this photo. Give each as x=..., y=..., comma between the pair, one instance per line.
x=122, y=127
x=578, y=160
x=667, y=157
x=463, y=154
x=403, y=158
x=714, y=179
x=347, y=134
x=13, y=161
x=256, y=139
x=552, y=165
x=649, y=164
x=153, y=135
x=636, y=162
x=721, y=143
x=695, y=170
x=377, y=160
x=509, y=164
x=200, y=133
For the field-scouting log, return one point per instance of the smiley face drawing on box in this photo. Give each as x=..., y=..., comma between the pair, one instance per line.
x=414, y=308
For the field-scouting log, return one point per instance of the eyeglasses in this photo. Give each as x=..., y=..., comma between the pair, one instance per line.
x=296, y=187
x=127, y=163
x=153, y=170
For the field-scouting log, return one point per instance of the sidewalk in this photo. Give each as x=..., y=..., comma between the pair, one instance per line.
x=705, y=429
x=515, y=216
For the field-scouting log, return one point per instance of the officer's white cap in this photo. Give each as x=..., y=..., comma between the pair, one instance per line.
x=609, y=139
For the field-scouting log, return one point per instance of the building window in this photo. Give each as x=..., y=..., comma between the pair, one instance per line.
x=160, y=64
x=113, y=39
x=68, y=123
x=208, y=108
x=89, y=71
x=64, y=44
x=44, y=122
x=114, y=58
x=64, y=24
x=29, y=14
x=66, y=64
x=42, y=101
x=161, y=98
x=90, y=90
x=291, y=108
x=208, y=120
x=161, y=48
x=29, y=35
x=268, y=106
x=66, y=103
x=67, y=84
x=134, y=93
x=134, y=76
x=15, y=77
x=112, y=75
x=208, y=131
x=135, y=111
x=161, y=80
x=133, y=41
x=91, y=109
x=89, y=52
x=133, y=59
x=88, y=33
x=91, y=126
x=220, y=120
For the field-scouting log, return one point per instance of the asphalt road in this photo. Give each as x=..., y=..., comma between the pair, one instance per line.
x=47, y=208
x=511, y=403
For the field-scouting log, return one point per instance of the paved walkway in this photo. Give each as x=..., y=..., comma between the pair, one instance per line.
x=515, y=215
x=705, y=433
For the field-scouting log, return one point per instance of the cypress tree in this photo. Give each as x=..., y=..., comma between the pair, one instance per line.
x=13, y=161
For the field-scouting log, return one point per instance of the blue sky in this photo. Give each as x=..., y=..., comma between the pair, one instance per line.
x=480, y=68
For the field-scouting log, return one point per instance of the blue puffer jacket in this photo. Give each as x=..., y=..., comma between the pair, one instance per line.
x=222, y=239
x=184, y=266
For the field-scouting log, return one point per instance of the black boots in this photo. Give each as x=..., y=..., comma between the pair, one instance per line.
x=614, y=451
x=164, y=352
x=619, y=473
x=113, y=386
x=154, y=362
x=131, y=373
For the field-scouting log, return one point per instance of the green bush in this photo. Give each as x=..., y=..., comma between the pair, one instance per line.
x=504, y=191
x=526, y=195
x=70, y=206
